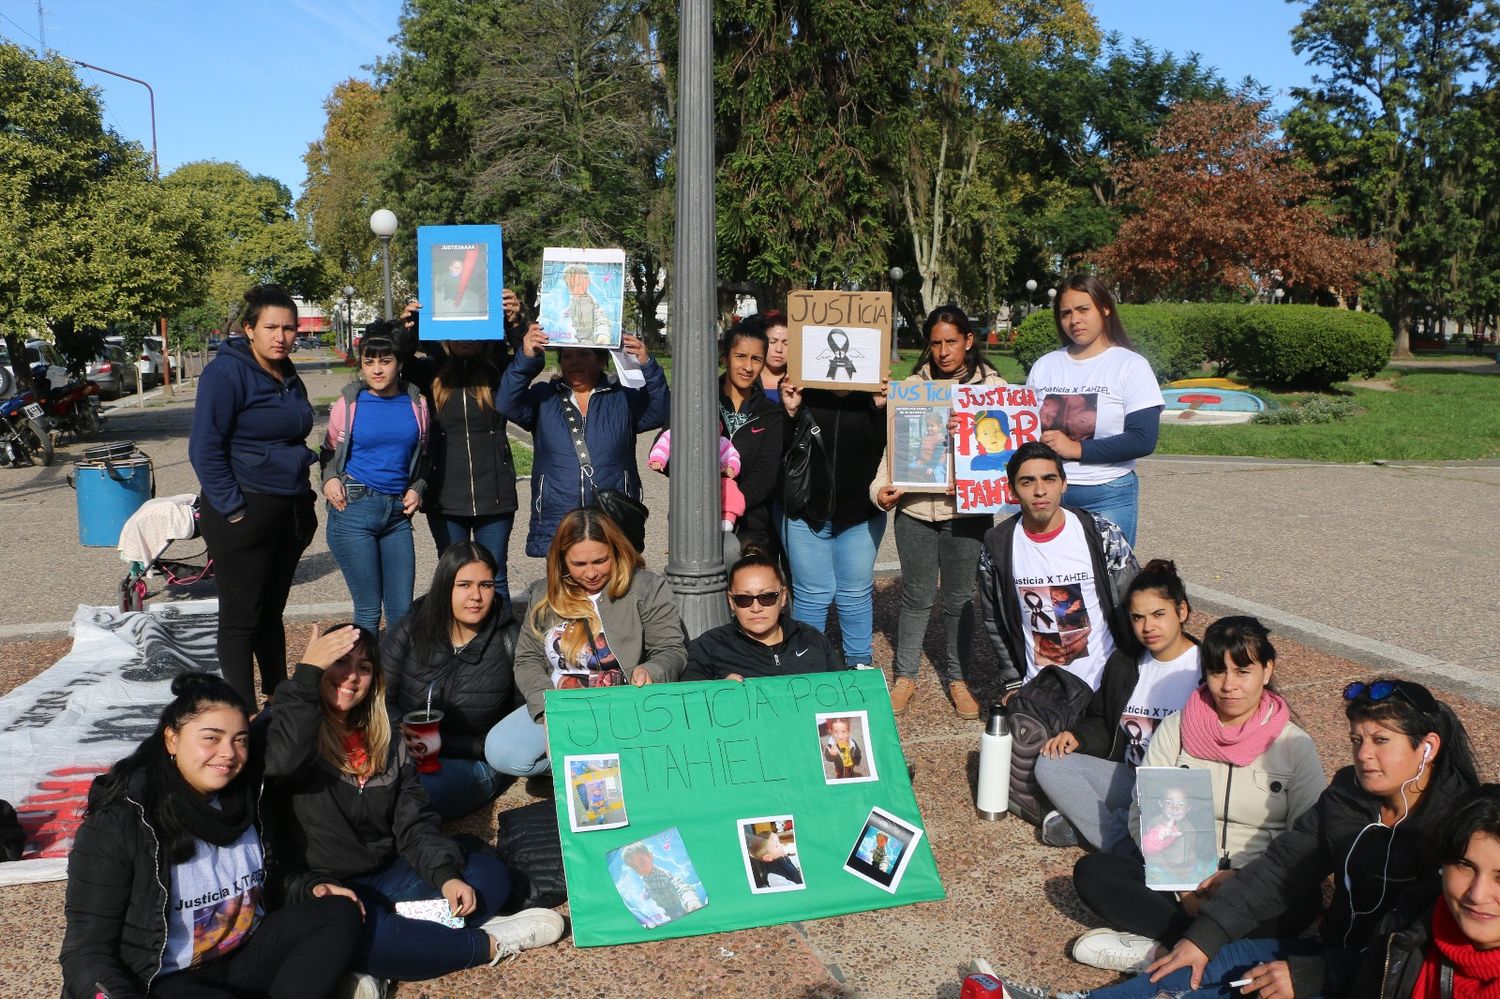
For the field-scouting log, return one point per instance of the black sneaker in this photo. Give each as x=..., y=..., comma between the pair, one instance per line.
x=1057, y=830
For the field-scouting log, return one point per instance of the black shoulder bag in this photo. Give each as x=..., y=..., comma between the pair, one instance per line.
x=629, y=514
x=799, y=493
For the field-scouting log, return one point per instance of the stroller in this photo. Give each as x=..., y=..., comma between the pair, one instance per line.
x=144, y=541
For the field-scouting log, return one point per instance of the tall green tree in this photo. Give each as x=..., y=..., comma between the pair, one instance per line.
x=343, y=184
x=1388, y=110
x=90, y=238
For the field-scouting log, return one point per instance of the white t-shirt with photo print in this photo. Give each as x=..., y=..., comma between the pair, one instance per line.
x=1060, y=613
x=1161, y=689
x=1104, y=389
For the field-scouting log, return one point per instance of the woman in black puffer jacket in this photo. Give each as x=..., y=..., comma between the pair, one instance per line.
x=458, y=642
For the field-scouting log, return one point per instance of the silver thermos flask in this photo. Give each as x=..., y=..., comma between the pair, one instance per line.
x=993, y=798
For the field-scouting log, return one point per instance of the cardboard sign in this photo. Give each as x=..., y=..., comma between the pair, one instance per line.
x=917, y=435
x=992, y=421
x=838, y=339
x=582, y=297
x=460, y=278
x=748, y=804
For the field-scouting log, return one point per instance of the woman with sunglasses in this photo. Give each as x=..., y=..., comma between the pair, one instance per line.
x=1412, y=766
x=761, y=640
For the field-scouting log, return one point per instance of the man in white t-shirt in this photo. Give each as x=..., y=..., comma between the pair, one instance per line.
x=1051, y=578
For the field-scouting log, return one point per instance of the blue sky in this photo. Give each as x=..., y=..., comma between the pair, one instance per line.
x=245, y=80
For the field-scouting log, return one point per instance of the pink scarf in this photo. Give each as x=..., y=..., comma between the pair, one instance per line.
x=1204, y=737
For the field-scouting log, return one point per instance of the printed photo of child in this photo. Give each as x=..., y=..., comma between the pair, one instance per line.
x=656, y=879
x=770, y=851
x=844, y=748
x=1058, y=620
x=596, y=797
x=882, y=850
x=1176, y=826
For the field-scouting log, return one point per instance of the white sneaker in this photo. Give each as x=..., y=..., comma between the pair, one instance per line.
x=1111, y=950
x=525, y=930
x=358, y=985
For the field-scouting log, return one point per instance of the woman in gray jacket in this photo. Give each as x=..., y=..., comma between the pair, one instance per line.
x=598, y=620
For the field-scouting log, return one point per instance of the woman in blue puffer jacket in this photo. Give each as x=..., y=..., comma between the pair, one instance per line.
x=610, y=414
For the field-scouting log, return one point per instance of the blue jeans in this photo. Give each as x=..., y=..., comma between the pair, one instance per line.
x=1118, y=500
x=850, y=553
x=413, y=950
x=492, y=532
x=459, y=787
x=371, y=541
x=1227, y=966
x=517, y=745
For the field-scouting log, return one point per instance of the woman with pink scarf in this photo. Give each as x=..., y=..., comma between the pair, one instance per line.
x=1266, y=773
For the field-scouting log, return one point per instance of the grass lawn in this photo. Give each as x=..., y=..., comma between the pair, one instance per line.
x=1432, y=416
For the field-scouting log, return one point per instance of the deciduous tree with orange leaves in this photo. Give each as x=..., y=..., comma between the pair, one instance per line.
x=1221, y=210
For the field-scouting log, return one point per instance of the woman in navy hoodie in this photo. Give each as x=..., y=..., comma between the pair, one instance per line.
x=249, y=448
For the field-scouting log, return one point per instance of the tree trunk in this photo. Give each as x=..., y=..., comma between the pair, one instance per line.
x=1402, y=348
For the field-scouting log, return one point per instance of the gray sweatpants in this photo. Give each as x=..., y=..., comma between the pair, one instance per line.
x=1094, y=795
x=929, y=551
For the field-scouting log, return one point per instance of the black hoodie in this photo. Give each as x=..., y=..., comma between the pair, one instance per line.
x=726, y=649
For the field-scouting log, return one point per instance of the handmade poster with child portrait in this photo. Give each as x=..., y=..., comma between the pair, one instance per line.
x=844, y=747
x=596, y=797
x=769, y=847
x=582, y=297
x=656, y=879
x=459, y=282
x=1176, y=826
x=917, y=441
x=882, y=850
x=1075, y=415
x=839, y=339
x=1057, y=619
x=990, y=422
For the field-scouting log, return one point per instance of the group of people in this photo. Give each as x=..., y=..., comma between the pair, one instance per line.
x=323, y=807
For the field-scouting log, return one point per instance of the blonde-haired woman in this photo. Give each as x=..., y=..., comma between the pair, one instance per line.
x=356, y=821
x=598, y=620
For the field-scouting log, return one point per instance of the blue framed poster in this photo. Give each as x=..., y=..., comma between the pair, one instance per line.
x=460, y=278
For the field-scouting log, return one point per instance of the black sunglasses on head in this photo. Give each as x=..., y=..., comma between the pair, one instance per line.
x=1418, y=697
x=767, y=599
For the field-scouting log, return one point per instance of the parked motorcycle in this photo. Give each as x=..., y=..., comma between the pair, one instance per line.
x=74, y=409
x=24, y=436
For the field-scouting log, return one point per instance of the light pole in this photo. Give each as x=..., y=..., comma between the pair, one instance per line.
x=1279, y=294
x=383, y=224
x=1051, y=296
x=896, y=275
x=348, y=317
x=695, y=567
x=1030, y=290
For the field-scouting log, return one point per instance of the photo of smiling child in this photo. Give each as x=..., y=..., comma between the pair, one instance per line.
x=844, y=748
x=1176, y=826
x=769, y=848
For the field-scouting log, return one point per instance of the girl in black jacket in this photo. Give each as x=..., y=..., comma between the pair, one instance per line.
x=831, y=542
x=456, y=650
x=1369, y=829
x=356, y=820
x=166, y=879
x=761, y=640
x=754, y=424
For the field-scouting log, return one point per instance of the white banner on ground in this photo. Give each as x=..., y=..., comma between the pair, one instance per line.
x=65, y=727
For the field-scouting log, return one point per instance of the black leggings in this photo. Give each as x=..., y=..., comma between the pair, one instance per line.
x=300, y=951
x=1115, y=888
x=254, y=562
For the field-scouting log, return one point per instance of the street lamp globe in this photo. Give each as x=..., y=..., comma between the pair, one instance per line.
x=1051, y=294
x=1030, y=285
x=348, y=291
x=383, y=223
x=897, y=274
x=1280, y=293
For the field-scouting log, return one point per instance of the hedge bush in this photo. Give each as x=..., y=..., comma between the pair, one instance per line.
x=1302, y=346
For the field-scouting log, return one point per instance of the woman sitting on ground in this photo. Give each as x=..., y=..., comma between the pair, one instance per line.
x=1094, y=763
x=1266, y=773
x=761, y=640
x=1459, y=935
x=1412, y=766
x=598, y=620
x=166, y=878
x=456, y=652
x=356, y=820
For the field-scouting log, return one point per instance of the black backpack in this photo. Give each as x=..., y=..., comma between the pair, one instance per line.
x=1052, y=702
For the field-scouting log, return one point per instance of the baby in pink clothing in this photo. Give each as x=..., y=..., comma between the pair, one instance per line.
x=731, y=500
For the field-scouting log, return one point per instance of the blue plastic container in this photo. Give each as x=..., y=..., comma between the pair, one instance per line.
x=109, y=489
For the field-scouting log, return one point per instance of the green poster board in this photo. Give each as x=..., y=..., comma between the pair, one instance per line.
x=803, y=772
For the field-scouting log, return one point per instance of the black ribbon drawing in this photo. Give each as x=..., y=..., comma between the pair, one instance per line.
x=1039, y=617
x=839, y=361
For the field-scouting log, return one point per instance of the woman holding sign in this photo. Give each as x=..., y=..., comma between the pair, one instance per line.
x=932, y=538
x=1100, y=402
x=598, y=620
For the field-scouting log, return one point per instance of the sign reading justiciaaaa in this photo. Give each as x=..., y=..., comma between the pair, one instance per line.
x=991, y=422
x=690, y=808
